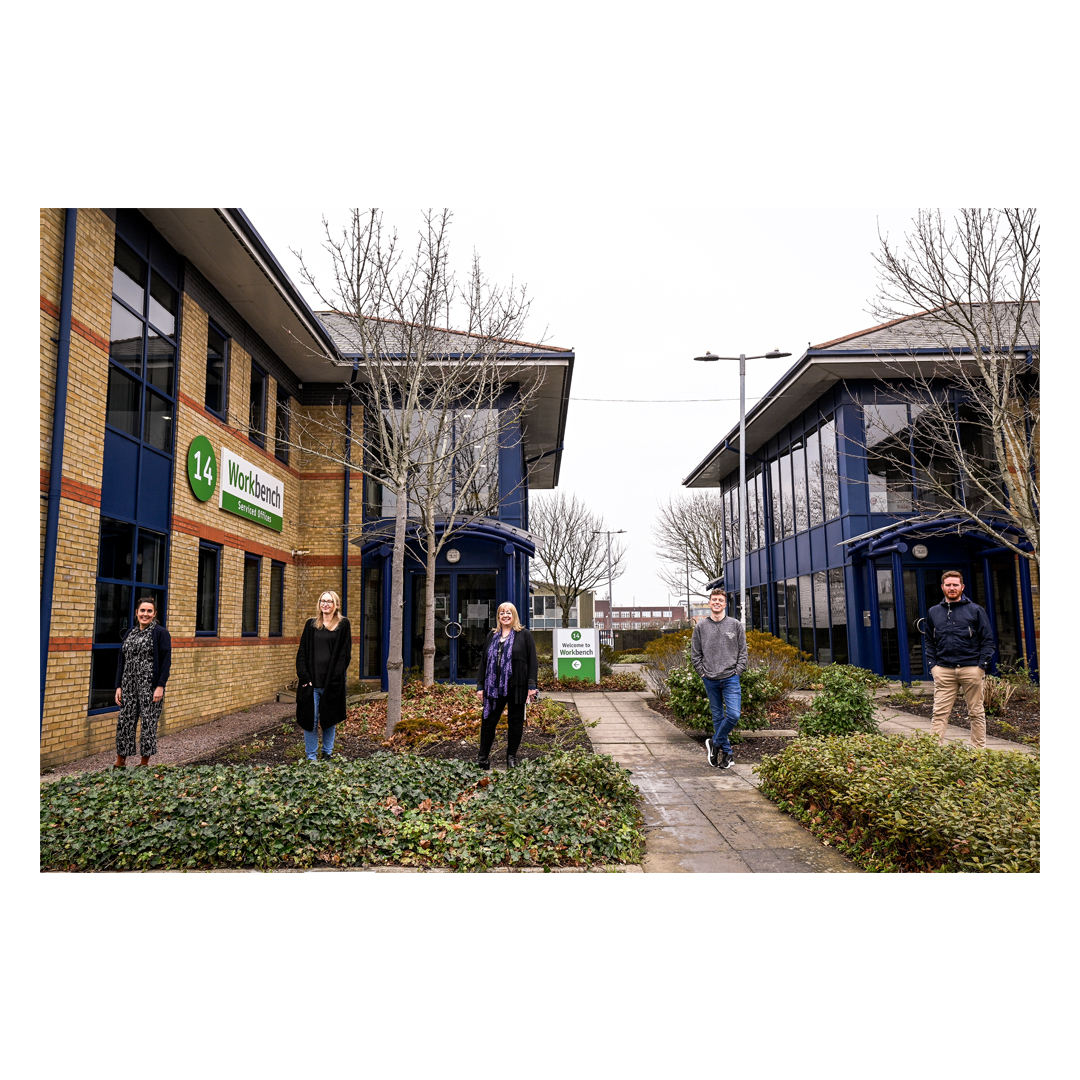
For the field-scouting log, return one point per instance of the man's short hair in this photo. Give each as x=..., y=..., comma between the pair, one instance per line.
x=718, y=592
x=952, y=573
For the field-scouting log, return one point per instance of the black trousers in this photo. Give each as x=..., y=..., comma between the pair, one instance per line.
x=515, y=723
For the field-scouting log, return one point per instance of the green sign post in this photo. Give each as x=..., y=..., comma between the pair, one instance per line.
x=202, y=468
x=576, y=654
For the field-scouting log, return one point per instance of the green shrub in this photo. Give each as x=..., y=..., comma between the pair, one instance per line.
x=616, y=682
x=689, y=702
x=899, y=803
x=570, y=808
x=844, y=706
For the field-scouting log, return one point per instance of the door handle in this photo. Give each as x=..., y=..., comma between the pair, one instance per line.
x=446, y=630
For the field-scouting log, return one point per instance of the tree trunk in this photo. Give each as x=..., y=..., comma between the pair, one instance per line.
x=394, y=657
x=429, y=617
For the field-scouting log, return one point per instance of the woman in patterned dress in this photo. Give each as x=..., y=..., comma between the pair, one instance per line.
x=322, y=663
x=506, y=680
x=141, y=674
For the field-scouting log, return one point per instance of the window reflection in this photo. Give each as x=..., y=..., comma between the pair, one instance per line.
x=126, y=339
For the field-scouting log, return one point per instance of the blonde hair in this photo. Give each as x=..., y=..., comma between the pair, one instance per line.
x=516, y=624
x=337, y=609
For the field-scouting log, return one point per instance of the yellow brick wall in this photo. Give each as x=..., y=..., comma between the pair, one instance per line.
x=210, y=676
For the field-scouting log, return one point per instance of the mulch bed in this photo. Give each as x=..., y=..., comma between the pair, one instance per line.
x=1019, y=723
x=783, y=716
x=283, y=744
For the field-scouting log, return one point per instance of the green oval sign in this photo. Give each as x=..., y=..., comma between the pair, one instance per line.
x=202, y=468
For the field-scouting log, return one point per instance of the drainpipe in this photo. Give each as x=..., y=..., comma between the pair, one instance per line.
x=56, y=450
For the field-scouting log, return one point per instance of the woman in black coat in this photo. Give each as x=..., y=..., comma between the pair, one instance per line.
x=321, y=665
x=507, y=679
x=142, y=670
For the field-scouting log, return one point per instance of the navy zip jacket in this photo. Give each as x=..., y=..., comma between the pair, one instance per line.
x=958, y=635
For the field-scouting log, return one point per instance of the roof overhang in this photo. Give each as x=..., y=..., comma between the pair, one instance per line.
x=227, y=250
x=816, y=372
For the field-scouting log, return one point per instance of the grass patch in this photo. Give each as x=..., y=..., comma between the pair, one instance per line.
x=894, y=803
x=568, y=809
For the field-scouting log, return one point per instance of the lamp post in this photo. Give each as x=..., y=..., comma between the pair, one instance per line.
x=610, y=608
x=742, y=358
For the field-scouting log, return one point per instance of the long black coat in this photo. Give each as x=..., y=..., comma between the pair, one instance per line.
x=522, y=665
x=332, y=702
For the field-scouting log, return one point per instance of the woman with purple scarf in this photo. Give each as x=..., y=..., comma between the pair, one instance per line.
x=507, y=679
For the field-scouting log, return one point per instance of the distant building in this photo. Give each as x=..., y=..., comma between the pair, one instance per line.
x=637, y=616
x=546, y=615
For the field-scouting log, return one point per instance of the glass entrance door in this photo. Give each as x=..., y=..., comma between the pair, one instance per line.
x=465, y=604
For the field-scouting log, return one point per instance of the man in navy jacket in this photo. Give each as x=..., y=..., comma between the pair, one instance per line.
x=959, y=646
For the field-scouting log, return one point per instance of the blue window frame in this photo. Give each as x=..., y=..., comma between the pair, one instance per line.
x=249, y=623
x=207, y=588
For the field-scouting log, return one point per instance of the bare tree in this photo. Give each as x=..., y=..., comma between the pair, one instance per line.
x=689, y=538
x=973, y=431
x=572, y=553
x=417, y=379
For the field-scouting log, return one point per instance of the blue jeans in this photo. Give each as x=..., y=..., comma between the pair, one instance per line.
x=725, y=703
x=311, y=738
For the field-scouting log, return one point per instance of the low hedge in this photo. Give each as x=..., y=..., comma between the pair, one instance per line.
x=567, y=809
x=896, y=803
x=617, y=682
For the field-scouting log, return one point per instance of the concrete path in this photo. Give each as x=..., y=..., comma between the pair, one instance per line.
x=698, y=819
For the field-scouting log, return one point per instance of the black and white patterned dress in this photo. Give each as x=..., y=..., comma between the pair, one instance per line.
x=137, y=696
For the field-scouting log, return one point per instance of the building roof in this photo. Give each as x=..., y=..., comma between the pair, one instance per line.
x=549, y=367
x=234, y=258
x=920, y=343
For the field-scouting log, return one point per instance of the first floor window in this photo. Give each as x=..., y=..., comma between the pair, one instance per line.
x=206, y=592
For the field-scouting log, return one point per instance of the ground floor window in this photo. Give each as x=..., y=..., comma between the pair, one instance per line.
x=249, y=622
x=207, y=587
x=372, y=622
x=546, y=616
x=277, y=599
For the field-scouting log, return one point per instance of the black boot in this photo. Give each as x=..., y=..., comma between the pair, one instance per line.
x=511, y=761
x=483, y=760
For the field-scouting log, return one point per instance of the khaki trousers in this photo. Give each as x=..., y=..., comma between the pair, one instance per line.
x=947, y=680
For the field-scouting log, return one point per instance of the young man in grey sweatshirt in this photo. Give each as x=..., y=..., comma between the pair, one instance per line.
x=718, y=653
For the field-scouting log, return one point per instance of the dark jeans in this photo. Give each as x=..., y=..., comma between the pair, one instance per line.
x=515, y=723
x=725, y=703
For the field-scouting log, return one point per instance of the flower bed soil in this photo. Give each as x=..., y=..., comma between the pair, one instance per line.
x=783, y=716
x=1019, y=723
x=361, y=735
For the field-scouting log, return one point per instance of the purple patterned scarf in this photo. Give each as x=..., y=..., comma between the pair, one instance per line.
x=497, y=687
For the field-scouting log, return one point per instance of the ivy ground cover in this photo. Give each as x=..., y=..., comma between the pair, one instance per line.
x=567, y=809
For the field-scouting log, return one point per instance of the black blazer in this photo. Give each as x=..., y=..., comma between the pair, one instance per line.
x=522, y=665
x=332, y=702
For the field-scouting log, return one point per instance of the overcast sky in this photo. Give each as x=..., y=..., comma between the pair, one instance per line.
x=638, y=294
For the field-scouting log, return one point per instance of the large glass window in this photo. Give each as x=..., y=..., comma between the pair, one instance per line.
x=822, y=649
x=249, y=622
x=888, y=458
x=830, y=476
x=373, y=607
x=838, y=615
x=546, y=616
x=217, y=370
x=206, y=591
x=777, y=502
x=798, y=484
x=131, y=564
x=787, y=497
x=813, y=478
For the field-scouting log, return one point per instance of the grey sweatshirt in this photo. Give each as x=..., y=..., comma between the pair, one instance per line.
x=718, y=648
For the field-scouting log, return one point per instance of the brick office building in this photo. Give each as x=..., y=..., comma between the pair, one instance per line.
x=638, y=616
x=181, y=342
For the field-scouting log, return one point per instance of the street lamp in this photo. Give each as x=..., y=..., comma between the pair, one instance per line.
x=610, y=609
x=742, y=358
